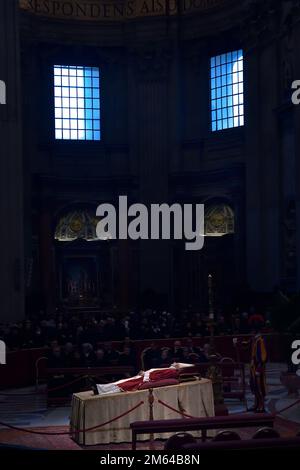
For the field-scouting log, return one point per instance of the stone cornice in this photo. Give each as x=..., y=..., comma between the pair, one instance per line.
x=116, y=10
x=252, y=22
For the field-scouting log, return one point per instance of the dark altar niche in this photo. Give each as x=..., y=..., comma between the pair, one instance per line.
x=79, y=280
x=114, y=10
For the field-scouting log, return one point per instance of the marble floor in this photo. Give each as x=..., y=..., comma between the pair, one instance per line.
x=277, y=397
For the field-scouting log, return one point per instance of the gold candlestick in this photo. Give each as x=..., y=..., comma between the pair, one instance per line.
x=214, y=372
x=211, y=315
x=210, y=297
x=151, y=417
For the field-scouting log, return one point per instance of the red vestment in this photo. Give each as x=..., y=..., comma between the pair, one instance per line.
x=154, y=375
x=135, y=383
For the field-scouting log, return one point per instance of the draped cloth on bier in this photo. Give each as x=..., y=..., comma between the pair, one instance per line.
x=193, y=398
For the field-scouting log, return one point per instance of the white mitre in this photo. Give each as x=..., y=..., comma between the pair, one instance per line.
x=181, y=365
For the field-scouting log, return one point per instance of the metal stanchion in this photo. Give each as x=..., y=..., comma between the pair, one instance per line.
x=151, y=418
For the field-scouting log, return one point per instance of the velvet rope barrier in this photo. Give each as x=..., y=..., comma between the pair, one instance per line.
x=288, y=407
x=67, y=433
x=174, y=409
x=188, y=416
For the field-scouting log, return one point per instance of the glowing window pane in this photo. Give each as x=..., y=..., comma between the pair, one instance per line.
x=77, y=103
x=227, y=83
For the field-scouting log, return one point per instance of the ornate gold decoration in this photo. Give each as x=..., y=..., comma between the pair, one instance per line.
x=115, y=10
x=75, y=225
x=219, y=220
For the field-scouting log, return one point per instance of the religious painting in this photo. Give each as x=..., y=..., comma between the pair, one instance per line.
x=79, y=278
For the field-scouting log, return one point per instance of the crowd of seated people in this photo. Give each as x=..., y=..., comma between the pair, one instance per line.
x=90, y=355
x=41, y=330
x=105, y=355
x=185, y=352
x=64, y=362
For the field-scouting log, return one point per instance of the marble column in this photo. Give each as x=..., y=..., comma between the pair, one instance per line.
x=270, y=168
x=262, y=168
x=46, y=264
x=253, y=170
x=11, y=170
x=296, y=111
x=124, y=273
x=152, y=71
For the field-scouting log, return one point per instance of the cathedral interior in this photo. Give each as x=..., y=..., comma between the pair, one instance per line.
x=165, y=102
x=158, y=134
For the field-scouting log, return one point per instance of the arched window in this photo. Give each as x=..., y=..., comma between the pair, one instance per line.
x=78, y=225
x=219, y=220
